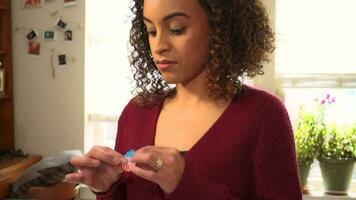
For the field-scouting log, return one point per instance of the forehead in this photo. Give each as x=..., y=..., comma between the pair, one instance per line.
x=155, y=10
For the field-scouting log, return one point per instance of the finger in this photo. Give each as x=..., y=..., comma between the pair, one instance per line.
x=118, y=168
x=81, y=161
x=143, y=173
x=150, y=148
x=107, y=155
x=73, y=177
x=142, y=157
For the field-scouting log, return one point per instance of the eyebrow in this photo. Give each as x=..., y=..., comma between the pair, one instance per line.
x=170, y=16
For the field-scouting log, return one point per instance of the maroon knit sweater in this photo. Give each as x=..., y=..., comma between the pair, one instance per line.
x=248, y=153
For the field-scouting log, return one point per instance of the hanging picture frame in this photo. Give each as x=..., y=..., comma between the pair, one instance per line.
x=68, y=36
x=32, y=3
x=33, y=34
x=2, y=82
x=34, y=49
x=69, y=3
x=49, y=35
x=61, y=24
x=62, y=60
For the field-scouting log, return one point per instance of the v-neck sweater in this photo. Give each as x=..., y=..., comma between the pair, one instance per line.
x=248, y=153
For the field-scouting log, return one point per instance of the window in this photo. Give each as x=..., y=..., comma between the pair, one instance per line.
x=316, y=45
x=107, y=71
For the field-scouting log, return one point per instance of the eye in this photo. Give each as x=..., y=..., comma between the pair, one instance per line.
x=178, y=31
x=151, y=33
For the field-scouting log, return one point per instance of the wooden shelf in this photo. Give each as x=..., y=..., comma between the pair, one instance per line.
x=7, y=141
x=10, y=165
x=11, y=169
x=4, y=5
x=4, y=97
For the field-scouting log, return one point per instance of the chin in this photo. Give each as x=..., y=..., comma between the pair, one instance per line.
x=171, y=79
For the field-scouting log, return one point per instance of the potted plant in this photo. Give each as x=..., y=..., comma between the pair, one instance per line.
x=308, y=138
x=337, y=158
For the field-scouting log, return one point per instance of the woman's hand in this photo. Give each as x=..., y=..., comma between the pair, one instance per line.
x=166, y=174
x=98, y=169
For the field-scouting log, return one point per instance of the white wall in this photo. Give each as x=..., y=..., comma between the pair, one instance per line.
x=49, y=112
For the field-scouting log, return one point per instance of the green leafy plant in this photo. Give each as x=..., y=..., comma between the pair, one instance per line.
x=316, y=138
x=339, y=143
x=309, y=136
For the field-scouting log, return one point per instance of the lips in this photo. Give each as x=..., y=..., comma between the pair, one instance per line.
x=165, y=64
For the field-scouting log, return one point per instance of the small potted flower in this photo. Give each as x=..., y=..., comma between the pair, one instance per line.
x=308, y=138
x=337, y=158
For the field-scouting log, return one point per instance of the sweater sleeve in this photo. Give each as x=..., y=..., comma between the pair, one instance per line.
x=275, y=165
x=116, y=192
x=195, y=186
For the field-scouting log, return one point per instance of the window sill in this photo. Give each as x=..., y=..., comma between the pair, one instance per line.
x=316, y=191
x=314, y=195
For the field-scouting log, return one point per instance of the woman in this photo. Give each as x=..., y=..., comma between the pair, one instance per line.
x=238, y=140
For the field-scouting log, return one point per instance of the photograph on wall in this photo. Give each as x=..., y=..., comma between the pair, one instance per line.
x=68, y=36
x=62, y=60
x=31, y=3
x=34, y=48
x=69, y=3
x=2, y=82
x=49, y=35
x=33, y=34
x=61, y=24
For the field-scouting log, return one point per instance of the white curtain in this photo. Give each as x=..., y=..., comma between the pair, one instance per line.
x=316, y=36
x=107, y=74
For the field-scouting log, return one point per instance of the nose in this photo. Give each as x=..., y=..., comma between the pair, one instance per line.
x=161, y=43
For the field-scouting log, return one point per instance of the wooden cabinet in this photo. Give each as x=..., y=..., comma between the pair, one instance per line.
x=6, y=82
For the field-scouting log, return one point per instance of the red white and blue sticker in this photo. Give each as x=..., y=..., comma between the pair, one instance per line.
x=130, y=153
x=127, y=166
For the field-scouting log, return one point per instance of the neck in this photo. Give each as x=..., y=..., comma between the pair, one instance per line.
x=190, y=94
x=193, y=92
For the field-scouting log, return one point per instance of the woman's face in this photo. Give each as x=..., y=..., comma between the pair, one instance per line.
x=179, y=38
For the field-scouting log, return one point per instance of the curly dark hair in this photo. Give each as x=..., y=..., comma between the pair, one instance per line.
x=241, y=41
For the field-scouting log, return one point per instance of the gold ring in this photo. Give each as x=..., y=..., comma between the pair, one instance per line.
x=159, y=163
